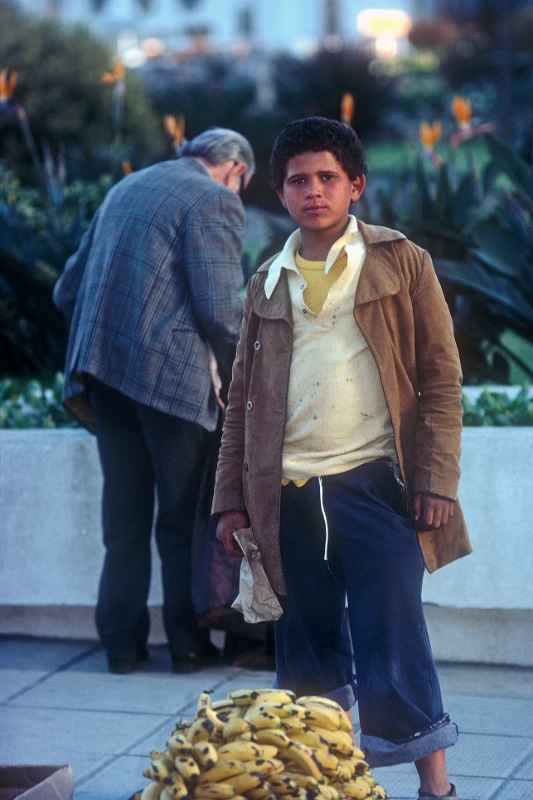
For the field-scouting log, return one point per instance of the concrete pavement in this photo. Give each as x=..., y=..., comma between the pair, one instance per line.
x=59, y=705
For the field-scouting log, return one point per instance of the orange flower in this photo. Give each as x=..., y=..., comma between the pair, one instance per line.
x=8, y=82
x=430, y=134
x=127, y=168
x=175, y=128
x=115, y=76
x=462, y=111
x=347, y=108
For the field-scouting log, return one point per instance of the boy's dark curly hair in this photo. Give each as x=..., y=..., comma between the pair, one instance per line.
x=316, y=134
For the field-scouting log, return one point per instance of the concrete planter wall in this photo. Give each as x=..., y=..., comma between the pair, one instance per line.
x=478, y=609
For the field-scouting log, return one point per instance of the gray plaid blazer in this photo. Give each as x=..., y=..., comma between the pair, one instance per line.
x=155, y=282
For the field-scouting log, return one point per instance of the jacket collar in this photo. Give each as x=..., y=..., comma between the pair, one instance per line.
x=286, y=260
x=377, y=280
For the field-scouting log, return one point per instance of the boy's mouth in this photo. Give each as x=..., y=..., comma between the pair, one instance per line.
x=315, y=209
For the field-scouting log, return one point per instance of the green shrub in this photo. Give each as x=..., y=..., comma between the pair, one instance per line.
x=33, y=404
x=497, y=409
x=37, y=404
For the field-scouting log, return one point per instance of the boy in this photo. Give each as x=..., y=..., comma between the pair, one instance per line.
x=341, y=438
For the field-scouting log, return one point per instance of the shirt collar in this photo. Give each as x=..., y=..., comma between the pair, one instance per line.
x=285, y=260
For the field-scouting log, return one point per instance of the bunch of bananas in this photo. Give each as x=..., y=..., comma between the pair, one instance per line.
x=262, y=745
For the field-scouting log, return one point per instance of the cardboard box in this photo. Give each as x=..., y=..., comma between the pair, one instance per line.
x=36, y=783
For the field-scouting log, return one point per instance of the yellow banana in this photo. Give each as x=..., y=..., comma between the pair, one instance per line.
x=222, y=705
x=246, y=751
x=327, y=762
x=282, y=710
x=307, y=737
x=166, y=794
x=222, y=770
x=265, y=766
x=283, y=786
x=214, y=791
x=290, y=724
x=208, y=714
x=276, y=696
x=337, y=741
x=187, y=768
x=274, y=737
x=306, y=782
x=379, y=793
x=261, y=793
x=152, y=791
x=204, y=701
x=263, y=719
x=245, y=782
x=358, y=754
x=313, y=699
x=206, y=754
x=161, y=765
x=179, y=745
x=234, y=728
x=346, y=769
x=302, y=756
x=244, y=697
x=177, y=789
x=201, y=730
x=358, y=789
x=327, y=791
x=322, y=717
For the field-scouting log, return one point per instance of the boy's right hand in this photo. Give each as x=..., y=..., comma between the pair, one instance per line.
x=228, y=522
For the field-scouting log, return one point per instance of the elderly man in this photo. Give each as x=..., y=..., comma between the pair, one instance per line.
x=152, y=297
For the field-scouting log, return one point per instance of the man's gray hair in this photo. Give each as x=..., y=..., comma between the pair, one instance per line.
x=218, y=145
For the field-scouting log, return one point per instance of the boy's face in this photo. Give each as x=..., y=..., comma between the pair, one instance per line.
x=317, y=192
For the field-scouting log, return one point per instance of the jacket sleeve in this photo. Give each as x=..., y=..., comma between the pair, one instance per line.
x=439, y=422
x=228, y=494
x=213, y=244
x=69, y=282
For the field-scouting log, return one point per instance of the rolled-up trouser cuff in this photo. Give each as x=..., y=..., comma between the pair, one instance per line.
x=345, y=696
x=384, y=753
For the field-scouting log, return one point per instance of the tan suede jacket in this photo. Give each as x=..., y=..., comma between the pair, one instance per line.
x=401, y=311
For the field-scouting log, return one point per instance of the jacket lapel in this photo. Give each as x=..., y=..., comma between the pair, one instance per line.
x=278, y=306
x=379, y=274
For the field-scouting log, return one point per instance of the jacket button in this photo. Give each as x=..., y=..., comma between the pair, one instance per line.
x=249, y=405
x=257, y=345
x=245, y=465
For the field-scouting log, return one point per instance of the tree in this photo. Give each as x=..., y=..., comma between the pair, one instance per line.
x=60, y=70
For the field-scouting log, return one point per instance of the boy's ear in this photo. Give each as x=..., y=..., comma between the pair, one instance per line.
x=358, y=187
x=281, y=199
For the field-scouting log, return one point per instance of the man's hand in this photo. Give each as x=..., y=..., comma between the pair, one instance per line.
x=432, y=511
x=215, y=379
x=228, y=522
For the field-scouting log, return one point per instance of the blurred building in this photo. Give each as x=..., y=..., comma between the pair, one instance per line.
x=294, y=25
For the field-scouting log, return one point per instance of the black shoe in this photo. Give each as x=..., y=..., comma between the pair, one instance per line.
x=125, y=665
x=452, y=793
x=192, y=662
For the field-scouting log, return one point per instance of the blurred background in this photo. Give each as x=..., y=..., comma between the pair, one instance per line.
x=440, y=92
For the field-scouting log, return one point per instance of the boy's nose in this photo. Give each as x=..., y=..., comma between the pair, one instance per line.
x=314, y=188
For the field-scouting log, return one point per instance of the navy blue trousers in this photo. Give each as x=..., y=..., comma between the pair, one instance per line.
x=143, y=452
x=353, y=624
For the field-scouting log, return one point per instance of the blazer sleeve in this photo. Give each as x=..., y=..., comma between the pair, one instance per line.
x=69, y=282
x=213, y=245
x=228, y=494
x=439, y=422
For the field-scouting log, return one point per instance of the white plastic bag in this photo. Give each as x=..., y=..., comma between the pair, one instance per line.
x=256, y=600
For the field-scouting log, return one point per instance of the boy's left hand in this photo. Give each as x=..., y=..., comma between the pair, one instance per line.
x=432, y=511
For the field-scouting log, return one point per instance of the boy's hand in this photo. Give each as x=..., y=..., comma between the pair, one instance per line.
x=432, y=511
x=228, y=522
